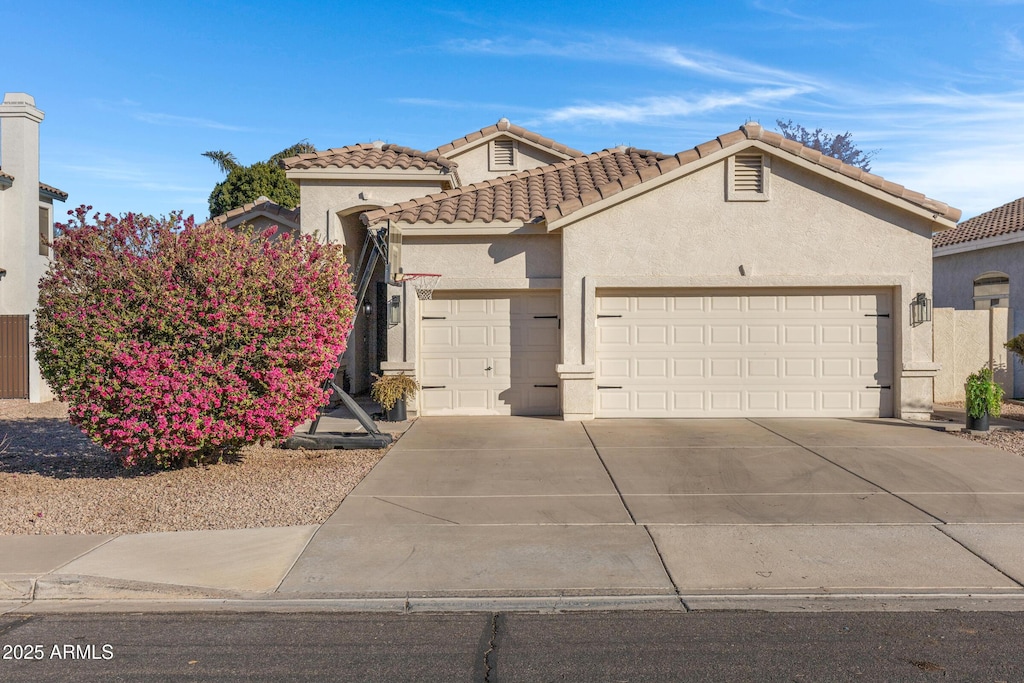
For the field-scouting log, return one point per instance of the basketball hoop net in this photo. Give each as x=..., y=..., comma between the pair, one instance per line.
x=423, y=283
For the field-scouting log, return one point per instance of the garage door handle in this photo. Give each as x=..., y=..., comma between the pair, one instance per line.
x=546, y=386
x=876, y=315
x=433, y=317
x=604, y=387
x=438, y=386
x=609, y=316
x=888, y=386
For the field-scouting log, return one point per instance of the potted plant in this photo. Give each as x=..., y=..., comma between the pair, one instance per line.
x=392, y=392
x=984, y=398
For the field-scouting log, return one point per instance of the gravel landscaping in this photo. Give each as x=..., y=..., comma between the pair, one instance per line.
x=1008, y=439
x=53, y=480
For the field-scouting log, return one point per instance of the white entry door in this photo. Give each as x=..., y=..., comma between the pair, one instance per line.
x=490, y=355
x=821, y=353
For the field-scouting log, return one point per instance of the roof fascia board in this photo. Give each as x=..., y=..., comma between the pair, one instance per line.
x=46, y=194
x=469, y=146
x=726, y=152
x=983, y=243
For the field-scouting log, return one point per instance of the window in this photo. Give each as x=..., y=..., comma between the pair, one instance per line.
x=991, y=290
x=747, y=178
x=44, y=230
x=503, y=155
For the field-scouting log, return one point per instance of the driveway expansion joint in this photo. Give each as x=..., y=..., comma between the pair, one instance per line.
x=847, y=470
x=978, y=555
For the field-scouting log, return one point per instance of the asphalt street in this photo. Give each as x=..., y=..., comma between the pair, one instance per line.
x=594, y=646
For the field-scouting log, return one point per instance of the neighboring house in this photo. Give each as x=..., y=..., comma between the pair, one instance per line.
x=260, y=215
x=749, y=276
x=980, y=265
x=26, y=229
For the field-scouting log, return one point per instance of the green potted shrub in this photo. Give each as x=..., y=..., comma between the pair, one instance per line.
x=984, y=398
x=392, y=392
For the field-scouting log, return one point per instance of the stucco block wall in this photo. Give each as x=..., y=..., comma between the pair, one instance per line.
x=954, y=288
x=814, y=232
x=966, y=341
x=503, y=257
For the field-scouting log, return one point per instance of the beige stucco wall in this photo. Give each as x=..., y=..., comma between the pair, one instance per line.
x=967, y=340
x=474, y=164
x=814, y=232
x=19, y=221
x=954, y=276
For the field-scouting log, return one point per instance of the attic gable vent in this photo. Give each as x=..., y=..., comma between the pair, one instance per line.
x=503, y=155
x=748, y=176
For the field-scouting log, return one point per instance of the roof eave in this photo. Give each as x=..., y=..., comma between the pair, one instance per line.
x=939, y=221
x=52, y=193
x=469, y=146
x=365, y=174
x=981, y=243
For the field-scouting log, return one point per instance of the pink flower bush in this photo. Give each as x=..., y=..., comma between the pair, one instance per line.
x=178, y=343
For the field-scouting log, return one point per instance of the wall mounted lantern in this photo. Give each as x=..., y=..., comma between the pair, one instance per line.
x=920, y=309
x=3, y=271
x=395, y=310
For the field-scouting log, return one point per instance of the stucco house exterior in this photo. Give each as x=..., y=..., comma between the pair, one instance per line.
x=26, y=229
x=748, y=276
x=980, y=265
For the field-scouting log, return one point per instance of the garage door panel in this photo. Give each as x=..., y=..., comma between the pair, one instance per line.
x=486, y=355
x=766, y=354
x=651, y=334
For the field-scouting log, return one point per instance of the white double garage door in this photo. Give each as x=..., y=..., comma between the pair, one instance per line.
x=821, y=353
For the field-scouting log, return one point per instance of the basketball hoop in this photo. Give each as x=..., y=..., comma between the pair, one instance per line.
x=423, y=283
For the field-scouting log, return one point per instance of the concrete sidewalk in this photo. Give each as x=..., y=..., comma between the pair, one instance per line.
x=527, y=513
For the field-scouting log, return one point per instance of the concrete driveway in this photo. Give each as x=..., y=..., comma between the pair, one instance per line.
x=669, y=508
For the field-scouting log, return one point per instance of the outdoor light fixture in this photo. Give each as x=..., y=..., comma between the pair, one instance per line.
x=367, y=308
x=3, y=271
x=920, y=309
x=395, y=310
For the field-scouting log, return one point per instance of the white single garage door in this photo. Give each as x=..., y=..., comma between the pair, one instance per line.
x=821, y=353
x=490, y=355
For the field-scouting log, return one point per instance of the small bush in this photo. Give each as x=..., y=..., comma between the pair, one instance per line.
x=387, y=390
x=1016, y=345
x=983, y=394
x=179, y=343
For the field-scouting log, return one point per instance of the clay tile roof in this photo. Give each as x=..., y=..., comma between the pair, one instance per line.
x=370, y=155
x=264, y=205
x=1001, y=220
x=555, y=191
x=530, y=195
x=49, y=189
x=503, y=125
x=754, y=131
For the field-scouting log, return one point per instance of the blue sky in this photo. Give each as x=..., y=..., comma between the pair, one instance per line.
x=134, y=92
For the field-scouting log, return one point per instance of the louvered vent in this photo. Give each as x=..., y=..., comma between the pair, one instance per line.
x=748, y=173
x=503, y=154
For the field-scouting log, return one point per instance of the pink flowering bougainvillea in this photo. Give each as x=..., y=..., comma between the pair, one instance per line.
x=178, y=343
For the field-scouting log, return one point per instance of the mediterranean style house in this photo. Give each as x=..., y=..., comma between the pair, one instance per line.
x=26, y=229
x=748, y=276
x=980, y=266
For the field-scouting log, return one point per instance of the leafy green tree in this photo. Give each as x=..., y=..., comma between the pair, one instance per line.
x=839, y=146
x=245, y=184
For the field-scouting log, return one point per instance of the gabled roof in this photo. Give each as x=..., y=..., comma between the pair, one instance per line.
x=372, y=155
x=44, y=189
x=504, y=126
x=1002, y=220
x=261, y=207
x=554, y=192
x=525, y=196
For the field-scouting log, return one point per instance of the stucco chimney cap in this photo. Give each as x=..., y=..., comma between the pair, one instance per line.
x=19, y=98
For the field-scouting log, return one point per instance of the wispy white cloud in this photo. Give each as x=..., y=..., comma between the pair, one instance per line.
x=161, y=119
x=650, y=109
x=1014, y=46
x=127, y=174
x=607, y=49
x=805, y=22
